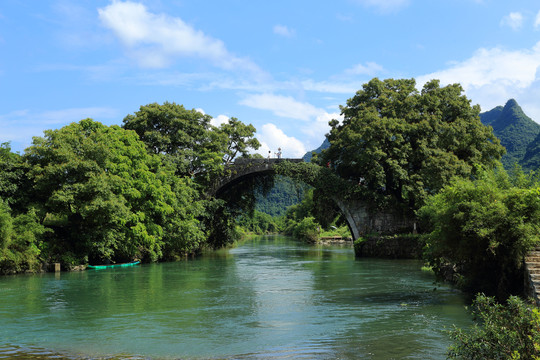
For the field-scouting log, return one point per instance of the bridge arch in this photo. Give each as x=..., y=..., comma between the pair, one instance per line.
x=361, y=216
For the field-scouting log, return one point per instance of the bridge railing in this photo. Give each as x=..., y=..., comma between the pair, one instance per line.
x=247, y=161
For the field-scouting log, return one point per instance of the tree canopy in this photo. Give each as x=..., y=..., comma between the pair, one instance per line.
x=104, y=194
x=197, y=148
x=402, y=145
x=484, y=228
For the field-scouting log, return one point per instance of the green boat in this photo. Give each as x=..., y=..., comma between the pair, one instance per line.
x=113, y=265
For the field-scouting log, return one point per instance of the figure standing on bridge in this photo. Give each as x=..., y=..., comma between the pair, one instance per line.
x=278, y=154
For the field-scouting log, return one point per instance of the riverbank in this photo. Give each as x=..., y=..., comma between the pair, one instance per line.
x=399, y=246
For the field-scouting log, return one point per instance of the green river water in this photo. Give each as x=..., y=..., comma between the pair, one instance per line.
x=269, y=298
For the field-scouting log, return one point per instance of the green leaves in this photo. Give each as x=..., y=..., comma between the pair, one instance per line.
x=484, y=227
x=406, y=144
x=116, y=198
x=503, y=331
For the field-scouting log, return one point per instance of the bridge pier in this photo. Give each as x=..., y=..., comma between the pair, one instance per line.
x=364, y=219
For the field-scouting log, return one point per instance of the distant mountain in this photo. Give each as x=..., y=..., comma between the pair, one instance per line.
x=325, y=145
x=515, y=130
x=531, y=159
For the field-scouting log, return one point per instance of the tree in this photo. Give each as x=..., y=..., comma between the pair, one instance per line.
x=401, y=145
x=21, y=241
x=198, y=149
x=104, y=195
x=12, y=176
x=184, y=135
x=510, y=331
x=239, y=139
x=483, y=228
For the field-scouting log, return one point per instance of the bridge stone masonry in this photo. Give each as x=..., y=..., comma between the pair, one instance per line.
x=362, y=217
x=242, y=168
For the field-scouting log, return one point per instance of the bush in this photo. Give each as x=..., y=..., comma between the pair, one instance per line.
x=510, y=331
x=484, y=228
x=307, y=230
x=20, y=241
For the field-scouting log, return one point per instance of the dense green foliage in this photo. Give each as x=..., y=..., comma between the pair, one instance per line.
x=199, y=150
x=259, y=223
x=106, y=197
x=531, y=159
x=21, y=239
x=510, y=331
x=184, y=135
x=285, y=192
x=403, y=145
x=484, y=228
x=94, y=193
x=307, y=230
x=515, y=130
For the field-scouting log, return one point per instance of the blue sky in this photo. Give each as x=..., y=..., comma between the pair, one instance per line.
x=284, y=66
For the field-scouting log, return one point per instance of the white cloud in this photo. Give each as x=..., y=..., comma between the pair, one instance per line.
x=283, y=106
x=155, y=40
x=284, y=31
x=314, y=120
x=384, y=5
x=371, y=68
x=492, y=76
x=514, y=20
x=537, y=21
x=220, y=119
x=272, y=138
x=488, y=67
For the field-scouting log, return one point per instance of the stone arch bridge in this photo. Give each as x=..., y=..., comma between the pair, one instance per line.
x=362, y=217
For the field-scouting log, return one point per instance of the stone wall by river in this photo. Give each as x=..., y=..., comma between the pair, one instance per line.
x=404, y=246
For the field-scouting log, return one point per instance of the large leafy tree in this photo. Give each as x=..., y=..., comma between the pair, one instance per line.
x=12, y=179
x=104, y=195
x=200, y=151
x=185, y=136
x=402, y=145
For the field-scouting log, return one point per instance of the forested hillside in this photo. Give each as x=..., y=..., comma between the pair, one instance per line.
x=286, y=192
x=517, y=132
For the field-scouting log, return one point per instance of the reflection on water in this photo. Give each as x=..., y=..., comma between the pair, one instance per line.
x=271, y=297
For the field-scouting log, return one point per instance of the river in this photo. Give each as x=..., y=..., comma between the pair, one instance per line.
x=268, y=298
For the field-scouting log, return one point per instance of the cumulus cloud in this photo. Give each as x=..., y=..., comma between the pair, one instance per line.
x=219, y=120
x=486, y=67
x=492, y=76
x=284, y=31
x=272, y=138
x=514, y=20
x=314, y=121
x=155, y=40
